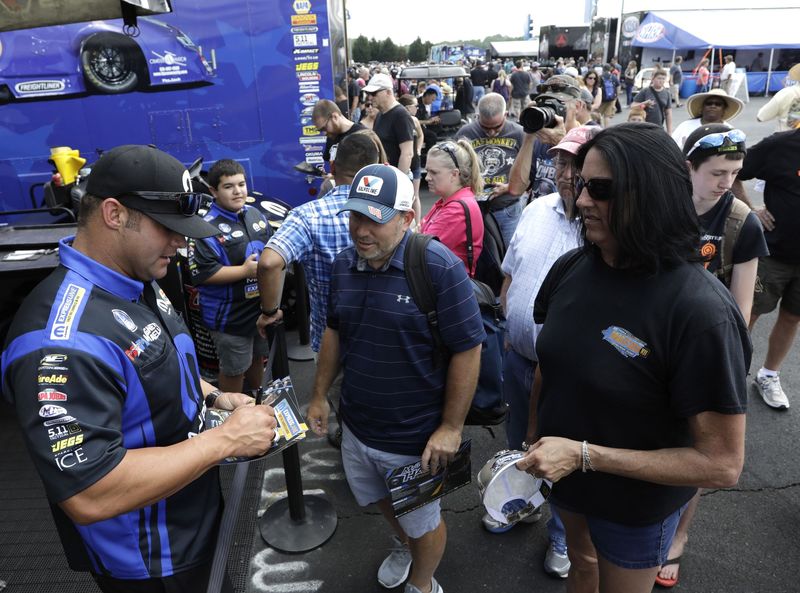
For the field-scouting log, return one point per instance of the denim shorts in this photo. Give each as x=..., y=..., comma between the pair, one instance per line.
x=236, y=352
x=365, y=467
x=634, y=547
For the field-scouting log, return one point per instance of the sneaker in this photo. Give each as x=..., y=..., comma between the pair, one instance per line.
x=394, y=569
x=556, y=564
x=494, y=526
x=771, y=392
x=435, y=587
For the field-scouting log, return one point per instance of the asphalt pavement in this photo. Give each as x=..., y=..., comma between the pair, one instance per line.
x=744, y=539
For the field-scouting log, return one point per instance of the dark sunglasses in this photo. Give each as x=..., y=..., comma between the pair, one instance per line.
x=450, y=149
x=188, y=203
x=715, y=103
x=599, y=189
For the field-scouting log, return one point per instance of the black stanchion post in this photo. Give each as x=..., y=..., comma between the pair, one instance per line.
x=297, y=523
x=301, y=350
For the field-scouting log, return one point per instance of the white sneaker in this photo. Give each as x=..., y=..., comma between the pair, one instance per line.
x=435, y=587
x=556, y=564
x=771, y=392
x=395, y=568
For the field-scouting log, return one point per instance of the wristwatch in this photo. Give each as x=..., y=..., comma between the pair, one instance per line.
x=271, y=312
x=211, y=398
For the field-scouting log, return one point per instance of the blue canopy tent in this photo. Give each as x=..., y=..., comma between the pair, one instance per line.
x=751, y=28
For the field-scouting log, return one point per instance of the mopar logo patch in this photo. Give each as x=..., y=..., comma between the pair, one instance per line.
x=67, y=309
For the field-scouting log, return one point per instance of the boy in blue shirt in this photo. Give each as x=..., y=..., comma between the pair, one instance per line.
x=223, y=268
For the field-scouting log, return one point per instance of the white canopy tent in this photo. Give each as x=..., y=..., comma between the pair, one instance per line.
x=515, y=49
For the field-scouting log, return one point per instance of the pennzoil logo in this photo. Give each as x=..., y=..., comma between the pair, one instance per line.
x=625, y=342
x=299, y=20
x=67, y=309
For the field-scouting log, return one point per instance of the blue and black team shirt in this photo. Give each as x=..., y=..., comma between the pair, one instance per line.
x=95, y=368
x=392, y=395
x=229, y=308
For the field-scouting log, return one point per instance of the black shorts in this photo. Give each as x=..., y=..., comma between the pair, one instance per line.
x=189, y=581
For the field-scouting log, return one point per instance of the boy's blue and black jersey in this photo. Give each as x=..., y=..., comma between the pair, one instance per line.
x=229, y=308
x=97, y=364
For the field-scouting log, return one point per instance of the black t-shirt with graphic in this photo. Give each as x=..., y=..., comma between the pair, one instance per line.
x=626, y=360
x=749, y=245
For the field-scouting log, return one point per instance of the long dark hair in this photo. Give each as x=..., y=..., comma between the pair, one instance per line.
x=652, y=216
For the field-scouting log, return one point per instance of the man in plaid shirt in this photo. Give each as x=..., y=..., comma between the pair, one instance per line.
x=313, y=234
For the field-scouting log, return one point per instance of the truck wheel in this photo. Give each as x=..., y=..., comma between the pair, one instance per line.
x=109, y=66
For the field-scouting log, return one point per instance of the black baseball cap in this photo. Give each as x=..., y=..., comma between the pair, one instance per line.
x=131, y=171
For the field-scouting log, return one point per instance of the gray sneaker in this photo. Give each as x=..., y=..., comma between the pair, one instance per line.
x=394, y=569
x=556, y=564
x=435, y=587
x=771, y=392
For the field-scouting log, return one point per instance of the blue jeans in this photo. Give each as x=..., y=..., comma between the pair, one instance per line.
x=507, y=219
x=517, y=383
x=629, y=93
x=478, y=92
x=556, y=531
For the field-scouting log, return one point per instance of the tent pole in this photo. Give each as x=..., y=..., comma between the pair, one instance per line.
x=711, y=71
x=769, y=72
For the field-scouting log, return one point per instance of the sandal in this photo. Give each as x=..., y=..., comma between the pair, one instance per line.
x=668, y=583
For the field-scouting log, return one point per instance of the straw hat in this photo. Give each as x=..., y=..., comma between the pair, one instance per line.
x=694, y=105
x=794, y=72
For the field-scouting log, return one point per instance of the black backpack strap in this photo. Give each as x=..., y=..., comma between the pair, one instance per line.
x=421, y=286
x=470, y=246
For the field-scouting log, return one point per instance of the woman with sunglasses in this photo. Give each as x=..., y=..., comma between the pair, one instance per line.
x=714, y=156
x=643, y=358
x=369, y=115
x=713, y=107
x=590, y=82
x=454, y=174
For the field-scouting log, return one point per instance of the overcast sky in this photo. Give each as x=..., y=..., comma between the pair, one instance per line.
x=447, y=20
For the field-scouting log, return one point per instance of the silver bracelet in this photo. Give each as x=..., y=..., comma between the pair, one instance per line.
x=586, y=461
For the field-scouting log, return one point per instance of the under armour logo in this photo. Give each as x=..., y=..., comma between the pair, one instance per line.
x=403, y=299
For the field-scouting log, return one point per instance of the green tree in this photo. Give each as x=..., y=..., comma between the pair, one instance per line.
x=417, y=51
x=360, y=50
x=388, y=50
x=375, y=49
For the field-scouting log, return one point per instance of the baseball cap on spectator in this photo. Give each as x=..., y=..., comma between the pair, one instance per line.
x=575, y=138
x=379, y=82
x=379, y=192
x=571, y=71
x=586, y=97
x=794, y=73
x=152, y=182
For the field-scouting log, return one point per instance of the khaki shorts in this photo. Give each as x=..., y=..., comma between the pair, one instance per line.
x=608, y=108
x=776, y=281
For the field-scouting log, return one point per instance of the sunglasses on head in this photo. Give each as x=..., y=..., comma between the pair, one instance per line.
x=735, y=139
x=188, y=203
x=599, y=188
x=450, y=149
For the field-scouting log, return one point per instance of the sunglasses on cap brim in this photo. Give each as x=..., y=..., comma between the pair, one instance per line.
x=735, y=138
x=187, y=203
x=599, y=188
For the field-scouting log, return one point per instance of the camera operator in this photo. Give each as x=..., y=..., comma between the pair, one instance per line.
x=543, y=122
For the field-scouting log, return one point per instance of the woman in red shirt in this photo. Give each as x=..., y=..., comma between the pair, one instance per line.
x=454, y=174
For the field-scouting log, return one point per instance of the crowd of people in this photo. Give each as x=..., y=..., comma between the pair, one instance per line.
x=627, y=304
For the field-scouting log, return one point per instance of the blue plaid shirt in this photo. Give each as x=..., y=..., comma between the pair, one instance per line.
x=314, y=234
